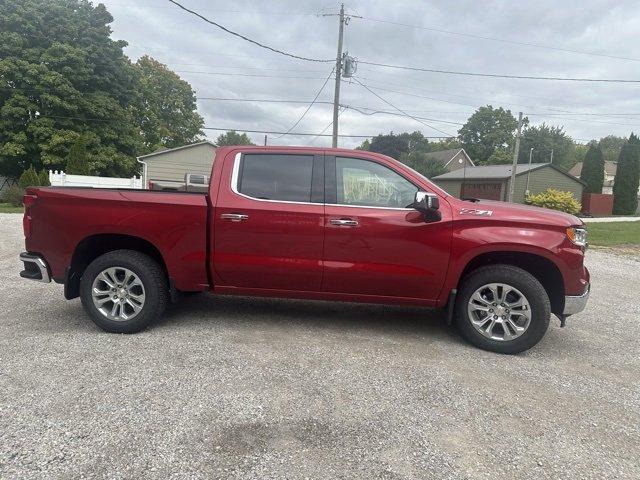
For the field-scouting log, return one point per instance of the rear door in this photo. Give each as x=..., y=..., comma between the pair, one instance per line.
x=375, y=244
x=268, y=222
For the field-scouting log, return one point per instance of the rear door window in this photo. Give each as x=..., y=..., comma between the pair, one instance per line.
x=276, y=177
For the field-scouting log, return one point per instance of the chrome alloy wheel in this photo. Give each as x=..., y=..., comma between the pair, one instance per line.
x=499, y=312
x=118, y=294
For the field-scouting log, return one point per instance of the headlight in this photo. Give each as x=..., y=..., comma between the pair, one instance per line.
x=577, y=236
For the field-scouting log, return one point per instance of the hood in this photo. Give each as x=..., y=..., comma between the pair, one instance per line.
x=515, y=212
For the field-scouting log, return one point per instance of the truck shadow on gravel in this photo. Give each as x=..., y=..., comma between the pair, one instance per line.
x=286, y=313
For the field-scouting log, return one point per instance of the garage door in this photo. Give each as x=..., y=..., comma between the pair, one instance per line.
x=487, y=191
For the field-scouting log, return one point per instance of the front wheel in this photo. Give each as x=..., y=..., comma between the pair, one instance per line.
x=503, y=309
x=124, y=291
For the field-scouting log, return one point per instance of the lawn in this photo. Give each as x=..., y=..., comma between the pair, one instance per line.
x=6, y=208
x=614, y=233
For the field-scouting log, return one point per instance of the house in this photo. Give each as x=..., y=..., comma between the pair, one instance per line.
x=167, y=168
x=610, y=169
x=492, y=181
x=452, y=159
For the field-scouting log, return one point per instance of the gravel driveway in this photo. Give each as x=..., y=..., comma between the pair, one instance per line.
x=254, y=388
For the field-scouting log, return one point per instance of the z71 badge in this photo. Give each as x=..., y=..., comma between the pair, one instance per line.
x=475, y=211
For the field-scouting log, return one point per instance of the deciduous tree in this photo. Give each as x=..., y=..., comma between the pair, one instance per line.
x=233, y=138
x=487, y=130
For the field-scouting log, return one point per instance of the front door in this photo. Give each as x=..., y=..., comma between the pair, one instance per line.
x=375, y=244
x=268, y=222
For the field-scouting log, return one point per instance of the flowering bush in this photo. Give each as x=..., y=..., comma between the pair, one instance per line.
x=555, y=200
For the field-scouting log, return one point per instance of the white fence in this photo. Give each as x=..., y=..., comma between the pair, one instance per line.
x=61, y=179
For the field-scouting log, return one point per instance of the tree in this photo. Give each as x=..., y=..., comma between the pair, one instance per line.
x=487, y=130
x=62, y=75
x=233, y=138
x=593, y=169
x=78, y=161
x=611, y=146
x=545, y=138
x=421, y=163
x=170, y=118
x=501, y=156
x=29, y=178
x=390, y=145
x=43, y=178
x=625, y=185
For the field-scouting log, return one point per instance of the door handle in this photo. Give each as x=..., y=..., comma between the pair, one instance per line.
x=234, y=217
x=344, y=222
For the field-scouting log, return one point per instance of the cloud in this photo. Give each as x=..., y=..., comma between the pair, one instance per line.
x=238, y=69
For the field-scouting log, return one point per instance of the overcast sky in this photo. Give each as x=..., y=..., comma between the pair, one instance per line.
x=220, y=65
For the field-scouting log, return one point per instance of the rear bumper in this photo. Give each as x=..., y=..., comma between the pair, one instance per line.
x=35, y=268
x=575, y=304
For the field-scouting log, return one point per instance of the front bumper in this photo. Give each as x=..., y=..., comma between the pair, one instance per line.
x=35, y=267
x=575, y=304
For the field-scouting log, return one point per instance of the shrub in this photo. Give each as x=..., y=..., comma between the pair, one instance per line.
x=13, y=196
x=29, y=178
x=43, y=178
x=555, y=200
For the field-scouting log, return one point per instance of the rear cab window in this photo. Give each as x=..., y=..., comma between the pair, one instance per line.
x=279, y=177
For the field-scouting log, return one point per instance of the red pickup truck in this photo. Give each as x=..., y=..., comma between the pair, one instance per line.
x=328, y=224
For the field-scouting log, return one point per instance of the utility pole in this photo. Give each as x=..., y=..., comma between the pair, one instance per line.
x=265, y=140
x=551, y=161
x=514, y=165
x=338, y=72
x=526, y=191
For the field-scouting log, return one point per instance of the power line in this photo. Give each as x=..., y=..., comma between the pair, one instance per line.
x=373, y=111
x=497, y=75
x=400, y=110
x=310, y=105
x=262, y=45
x=305, y=134
x=325, y=128
x=502, y=40
x=261, y=100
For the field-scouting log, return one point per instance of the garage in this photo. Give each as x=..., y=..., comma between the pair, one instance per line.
x=491, y=182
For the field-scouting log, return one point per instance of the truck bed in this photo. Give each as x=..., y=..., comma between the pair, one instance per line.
x=173, y=223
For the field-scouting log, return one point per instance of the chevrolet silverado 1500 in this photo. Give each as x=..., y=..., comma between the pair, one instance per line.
x=314, y=223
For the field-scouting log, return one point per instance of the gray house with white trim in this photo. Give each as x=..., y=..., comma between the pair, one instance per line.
x=168, y=167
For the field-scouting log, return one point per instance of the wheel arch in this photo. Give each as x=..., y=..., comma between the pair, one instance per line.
x=93, y=246
x=543, y=269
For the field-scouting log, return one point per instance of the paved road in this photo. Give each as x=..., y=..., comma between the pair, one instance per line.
x=241, y=388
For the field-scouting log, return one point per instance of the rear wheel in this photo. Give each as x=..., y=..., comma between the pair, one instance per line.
x=503, y=309
x=124, y=291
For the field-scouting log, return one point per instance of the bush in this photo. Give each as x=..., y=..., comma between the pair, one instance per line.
x=43, y=178
x=555, y=200
x=29, y=178
x=13, y=196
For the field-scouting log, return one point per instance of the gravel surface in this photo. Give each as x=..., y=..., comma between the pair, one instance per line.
x=254, y=388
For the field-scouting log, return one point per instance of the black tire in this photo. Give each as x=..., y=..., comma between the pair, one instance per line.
x=152, y=277
x=525, y=283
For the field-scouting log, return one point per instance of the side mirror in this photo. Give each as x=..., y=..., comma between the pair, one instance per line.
x=428, y=204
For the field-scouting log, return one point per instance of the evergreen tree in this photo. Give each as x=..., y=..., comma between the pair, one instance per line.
x=29, y=178
x=625, y=186
x=77, y=162
x=593, y=169
x=43, y=178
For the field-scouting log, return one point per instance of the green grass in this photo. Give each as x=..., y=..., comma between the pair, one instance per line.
x=6, y=208
x=614, y=233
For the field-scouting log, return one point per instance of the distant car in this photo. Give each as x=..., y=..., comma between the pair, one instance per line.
x=329, y=224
